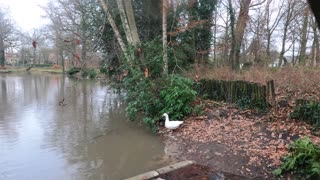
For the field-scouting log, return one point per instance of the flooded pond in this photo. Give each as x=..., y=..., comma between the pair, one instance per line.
x=53, y=127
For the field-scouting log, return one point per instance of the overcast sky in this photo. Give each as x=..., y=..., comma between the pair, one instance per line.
x=26, y=13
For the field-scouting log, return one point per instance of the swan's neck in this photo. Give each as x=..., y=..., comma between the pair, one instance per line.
x=167, y=118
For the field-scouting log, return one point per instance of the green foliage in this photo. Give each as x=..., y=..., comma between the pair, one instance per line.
x=177, y=95
x=303, y=159
x=190, y=44
x=153, y=56
x=309, y=112
x=73, y=70
x=103, y=68
x=84, y=73
x=244, y=102
x=148, y=18
x=153, y=97
x=91, y=73
x=199, y=110
x=142, y=95
x=248, y=103
x=2, y=57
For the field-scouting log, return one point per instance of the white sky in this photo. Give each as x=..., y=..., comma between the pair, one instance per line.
x=26, y=13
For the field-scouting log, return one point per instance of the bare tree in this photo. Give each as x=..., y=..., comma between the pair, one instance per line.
x=6, y=35
x=289, y=13
x=271, y=24
x=73, y=22
x=243, y=18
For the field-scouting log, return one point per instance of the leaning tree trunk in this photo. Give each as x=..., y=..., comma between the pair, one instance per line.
x=132, y=22
x=124, y=21
x=133, y=30
x=115, y=29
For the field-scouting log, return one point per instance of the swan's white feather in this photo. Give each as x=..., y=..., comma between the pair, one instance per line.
x=171, y=124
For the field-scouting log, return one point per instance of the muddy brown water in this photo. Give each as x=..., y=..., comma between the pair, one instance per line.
x=84, y=136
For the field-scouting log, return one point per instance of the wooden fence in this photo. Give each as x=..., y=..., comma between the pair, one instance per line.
x=256, y=95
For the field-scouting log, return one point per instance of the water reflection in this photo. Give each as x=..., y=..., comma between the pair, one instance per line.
x=85, y=137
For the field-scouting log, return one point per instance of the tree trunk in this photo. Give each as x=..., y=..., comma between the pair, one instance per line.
x=288, y=18
x=115, y=29
x=302, y=57
x=215, y=40
x=283, y=47
x=268, y=58
x=84, y=54
x=239, y=32
x=293, y=50
x=34, y=57
x=226, y=42
x=63, y=66
x=164, y=37
x=132, y=22
x=2, y=55
x=133, y=29
x=315, y=45
x=233, y=35
x=284, y=37
x=124, y=21
x=62, y=59
x=317, y=49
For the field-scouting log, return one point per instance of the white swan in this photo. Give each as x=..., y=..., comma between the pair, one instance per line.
x=171, y=124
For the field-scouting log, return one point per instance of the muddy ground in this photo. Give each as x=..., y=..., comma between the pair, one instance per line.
x=240, y=143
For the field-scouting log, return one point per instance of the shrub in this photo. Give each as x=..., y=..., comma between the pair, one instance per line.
x=309, y=112
x=73, y=71
x=177, y=94
x=303, y=159
x=147, y=96
x=103, y=68
x=152, y=95
x=199, y=110
x=142, y=96
x=244, y=102
x=84, y=73
x=247, y=103
x=92, y=73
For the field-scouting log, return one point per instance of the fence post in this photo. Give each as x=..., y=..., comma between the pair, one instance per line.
x=271, y=94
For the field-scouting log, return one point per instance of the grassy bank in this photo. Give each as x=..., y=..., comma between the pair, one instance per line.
x=34, y=69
